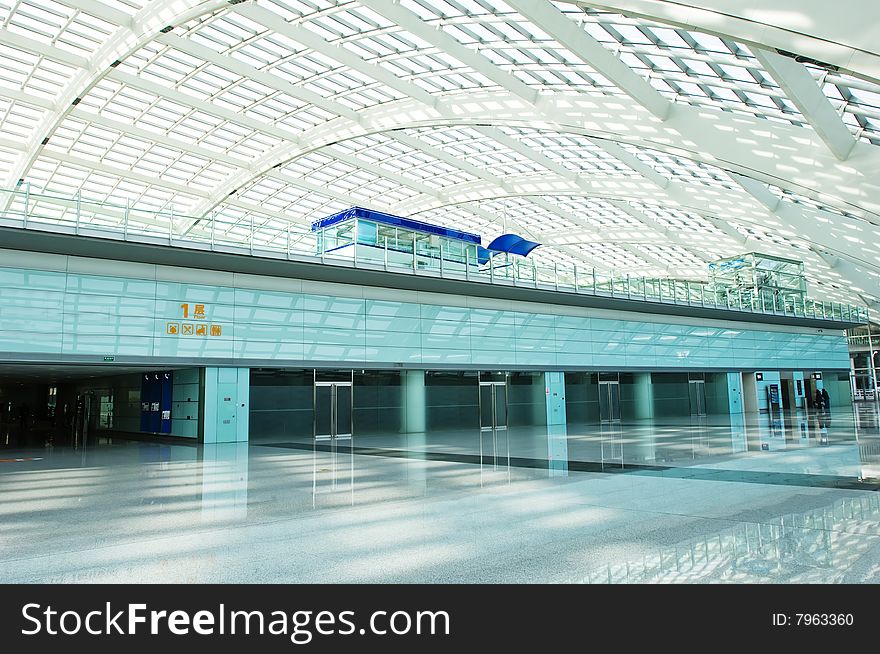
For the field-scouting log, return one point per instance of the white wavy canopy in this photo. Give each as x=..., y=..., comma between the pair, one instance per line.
x=637, y=136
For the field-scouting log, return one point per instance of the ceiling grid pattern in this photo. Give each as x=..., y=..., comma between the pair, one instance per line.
x=619, y=142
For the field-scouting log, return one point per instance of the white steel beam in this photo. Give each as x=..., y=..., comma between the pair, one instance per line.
x=804, y=92
x=837, y=33
x=129, y=37
x=571, y=35
x=690, y=244
x=788, y=156
x=412, y=23
x=311, y=40
x=624, y=156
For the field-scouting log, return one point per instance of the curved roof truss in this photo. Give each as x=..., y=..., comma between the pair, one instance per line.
x=640, y=136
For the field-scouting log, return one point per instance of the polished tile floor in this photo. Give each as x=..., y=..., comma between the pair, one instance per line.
x=693, y=500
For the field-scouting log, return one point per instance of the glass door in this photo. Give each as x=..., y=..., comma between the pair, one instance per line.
x=493, y=405
x=697, y=394
x=323, y=411
x=333, y=414
x=609, y=401
x=494, y=443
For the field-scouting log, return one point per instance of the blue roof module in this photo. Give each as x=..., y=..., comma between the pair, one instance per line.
x=396, y=221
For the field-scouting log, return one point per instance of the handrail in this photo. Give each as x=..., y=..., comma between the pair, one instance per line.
x=224, y=231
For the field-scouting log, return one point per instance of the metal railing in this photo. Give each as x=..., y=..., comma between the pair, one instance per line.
x=224, y=231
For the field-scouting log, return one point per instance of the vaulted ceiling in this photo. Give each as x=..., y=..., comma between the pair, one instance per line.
x=637, y=136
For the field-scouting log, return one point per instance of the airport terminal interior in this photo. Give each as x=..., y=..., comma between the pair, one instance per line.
x=439, y=291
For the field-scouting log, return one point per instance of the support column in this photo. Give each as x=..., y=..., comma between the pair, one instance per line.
x=643, y=394
x=412, y=401
x=225, y=405
x=734, y=394
x=799, y=400
x=553, y=390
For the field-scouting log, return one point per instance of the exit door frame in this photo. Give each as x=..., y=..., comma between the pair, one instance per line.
x=334, y=407
x=607, y=383
x=493, y=383
x=700, y=394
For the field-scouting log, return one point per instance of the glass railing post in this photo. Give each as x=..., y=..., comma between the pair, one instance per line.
x=535, y=273
x=251, y=244
x=27, y=203
x=576, y=289
x=287, y=247
x=628, y=287
x=125, y=219
x=78, y=201
x=594, y=281
x=213, y=227
x=556, y=275
x=467, y=260
x=441, y=259
x=170, y=224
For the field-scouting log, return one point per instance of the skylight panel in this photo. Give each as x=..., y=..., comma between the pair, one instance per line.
x=669, y=37
x=709, y=42
x=631, y=34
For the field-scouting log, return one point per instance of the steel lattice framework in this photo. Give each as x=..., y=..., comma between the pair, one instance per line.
x=635, y=136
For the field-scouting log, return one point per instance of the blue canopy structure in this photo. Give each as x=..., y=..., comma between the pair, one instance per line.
x=513, y=244
x=395, y=221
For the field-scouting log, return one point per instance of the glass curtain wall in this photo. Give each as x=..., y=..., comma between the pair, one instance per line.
x=281, y=405
x=452, y=400
x=378, y=402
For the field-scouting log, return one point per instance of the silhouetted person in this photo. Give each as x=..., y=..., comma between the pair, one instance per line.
x=817, y=400
x=826, y=401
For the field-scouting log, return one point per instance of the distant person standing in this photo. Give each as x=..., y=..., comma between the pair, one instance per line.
x=826, y=400
x=817, y=400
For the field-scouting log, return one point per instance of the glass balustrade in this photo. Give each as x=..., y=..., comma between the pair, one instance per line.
x=234, y=231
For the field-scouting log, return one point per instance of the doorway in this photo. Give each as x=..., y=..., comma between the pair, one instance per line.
x=786, y=393
x=493, y=398
x=609, y=397
x=809, y=391
x=333, y=403
x=697, y=396
x=493, y=403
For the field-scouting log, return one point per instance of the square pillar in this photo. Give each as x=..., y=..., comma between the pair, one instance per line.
x=643, y=394
x=412, y=405
x=554, y=392
x=225, y=405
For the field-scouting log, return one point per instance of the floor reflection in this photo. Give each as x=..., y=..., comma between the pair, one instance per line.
x=793, y=548
x=799, y=448
x=743, y=499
